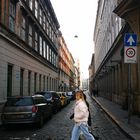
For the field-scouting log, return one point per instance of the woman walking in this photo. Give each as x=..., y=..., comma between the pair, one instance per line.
x=81, y=115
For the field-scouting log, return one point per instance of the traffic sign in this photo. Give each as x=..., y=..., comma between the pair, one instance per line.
x=130, y=48
x=130, y=40
x=130, y=52
x=130, y=55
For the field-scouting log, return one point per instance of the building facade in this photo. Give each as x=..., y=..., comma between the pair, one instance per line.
x=85, y=84
x=72, y=85
x=114, y=20
x=91, y=70
x=28, y=47
x=77, y=74
x=107, y=27
x=66, y=65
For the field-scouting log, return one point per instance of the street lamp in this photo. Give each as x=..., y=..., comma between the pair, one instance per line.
x=76, y=36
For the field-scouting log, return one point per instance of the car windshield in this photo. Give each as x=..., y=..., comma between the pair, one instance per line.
x=69, y=93
x=19, y=101
x=47, y=95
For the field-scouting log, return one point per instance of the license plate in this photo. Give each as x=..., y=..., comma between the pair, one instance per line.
x=16, y=116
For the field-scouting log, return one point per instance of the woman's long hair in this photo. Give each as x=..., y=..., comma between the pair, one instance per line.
x=81, y=94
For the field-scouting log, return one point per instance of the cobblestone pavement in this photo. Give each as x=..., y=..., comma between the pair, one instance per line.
x=60, y=126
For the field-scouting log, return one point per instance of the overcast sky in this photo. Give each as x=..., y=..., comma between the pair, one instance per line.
x=77, y=17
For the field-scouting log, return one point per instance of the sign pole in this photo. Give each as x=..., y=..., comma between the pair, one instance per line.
x=129, y=94
x=130, y=56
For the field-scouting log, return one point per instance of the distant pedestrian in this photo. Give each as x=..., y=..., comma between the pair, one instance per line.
x=94, y=92
x=81, y=116
x=96, y=89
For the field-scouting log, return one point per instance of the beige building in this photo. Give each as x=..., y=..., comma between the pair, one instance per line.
x=28, y=48
x=115, y=19
x=107, y=27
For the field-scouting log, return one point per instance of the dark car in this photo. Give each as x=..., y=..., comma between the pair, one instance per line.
x=68, y=98
x=26, y=109
x=53, y=98
x=71, y=95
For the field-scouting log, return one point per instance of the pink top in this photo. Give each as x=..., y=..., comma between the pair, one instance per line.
x=81, y=112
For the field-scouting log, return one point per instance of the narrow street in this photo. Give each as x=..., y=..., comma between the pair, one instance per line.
x=59, y=127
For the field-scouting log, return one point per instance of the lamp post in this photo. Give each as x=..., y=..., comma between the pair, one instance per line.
x=76, y=36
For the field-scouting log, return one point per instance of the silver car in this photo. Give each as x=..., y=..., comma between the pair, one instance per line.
x=27, y=109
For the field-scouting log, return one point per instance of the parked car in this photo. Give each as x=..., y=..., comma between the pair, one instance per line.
x=63, y=98
x=67, y=97
x=53, y=98
x=26, y=109
x=71, y=95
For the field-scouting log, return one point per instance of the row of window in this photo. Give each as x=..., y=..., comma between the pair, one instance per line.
x=41, y=82
x=43, y=18
x=32, y=36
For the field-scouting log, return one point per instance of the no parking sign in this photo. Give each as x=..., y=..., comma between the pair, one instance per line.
x=130, y=50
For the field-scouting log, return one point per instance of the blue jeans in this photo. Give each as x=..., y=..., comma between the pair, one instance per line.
x=81, y=127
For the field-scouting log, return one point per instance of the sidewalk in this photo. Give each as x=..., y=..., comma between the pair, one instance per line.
x=120, y=117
